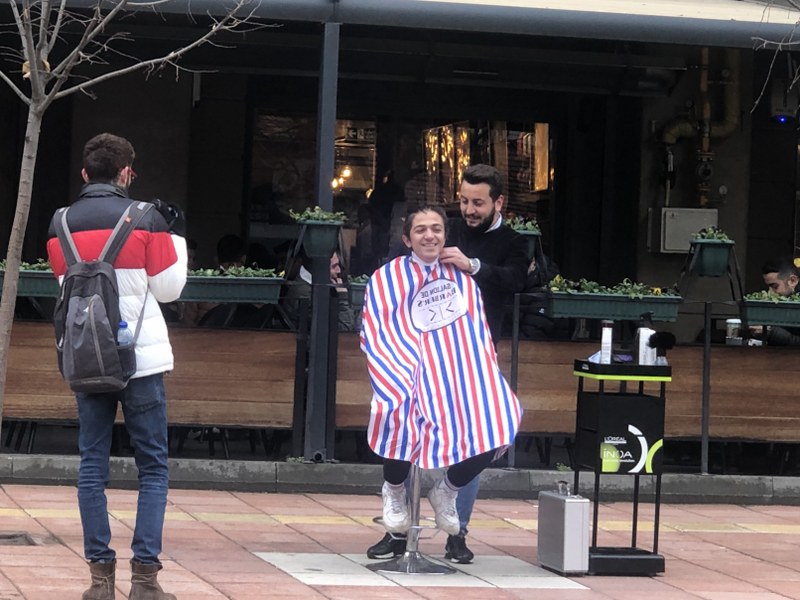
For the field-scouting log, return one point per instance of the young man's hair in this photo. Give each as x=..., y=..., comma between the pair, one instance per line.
x=409, y=221
x=481, y=173
x=783, y=266
x=105, y=155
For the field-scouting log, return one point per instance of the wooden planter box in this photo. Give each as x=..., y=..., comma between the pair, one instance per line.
x=38, y=284
x=258, y=290
x=612, y=306
x=765, y=312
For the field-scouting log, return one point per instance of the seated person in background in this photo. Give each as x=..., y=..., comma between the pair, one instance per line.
x=299, y=287
x=439, y=399
x=230, y=253
x=533, y=323
x=781, y=276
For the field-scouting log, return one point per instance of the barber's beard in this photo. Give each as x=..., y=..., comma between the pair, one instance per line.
x=484, y=225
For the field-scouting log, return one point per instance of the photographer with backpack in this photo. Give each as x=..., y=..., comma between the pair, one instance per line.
x=116, y=259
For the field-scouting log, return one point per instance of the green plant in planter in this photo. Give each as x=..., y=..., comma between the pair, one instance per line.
x=626, y=287
x=711, y=247
x=35, y=279
x=41, y=264
x=627, y=300
x=234, y=272
x=711, y=233
x=770, y=296
x=317, y=215
x=358, y=286
x=525, y=226
x=320, y=231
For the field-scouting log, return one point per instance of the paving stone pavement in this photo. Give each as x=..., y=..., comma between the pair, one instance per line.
x=247, y=546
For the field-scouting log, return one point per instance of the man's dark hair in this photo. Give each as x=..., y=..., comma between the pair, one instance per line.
x=230, y=248
x=481, y=173
x=105, y=155
x=409, y=222
x=783, y=266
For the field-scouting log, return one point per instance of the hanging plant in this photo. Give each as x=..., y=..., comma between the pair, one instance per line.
x=525, y=226
x=318, y=215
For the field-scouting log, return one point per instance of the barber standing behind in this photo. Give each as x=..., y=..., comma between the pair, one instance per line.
x=782, y=277
x=497, y=257
x=480, y=244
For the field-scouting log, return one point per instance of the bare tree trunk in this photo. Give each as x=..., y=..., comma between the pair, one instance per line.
x=14, y=254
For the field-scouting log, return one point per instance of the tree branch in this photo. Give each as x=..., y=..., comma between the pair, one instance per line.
x=57, y=27
x=227, y=23
x=15, y=89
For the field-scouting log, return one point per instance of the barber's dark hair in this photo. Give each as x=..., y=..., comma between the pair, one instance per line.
x=481, y=173
x=105, y=155
x=783, y=266
x=409, y=222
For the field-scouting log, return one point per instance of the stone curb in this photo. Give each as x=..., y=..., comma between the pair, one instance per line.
x=347, y=478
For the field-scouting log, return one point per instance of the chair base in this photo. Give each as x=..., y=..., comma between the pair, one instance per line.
x=411, y=563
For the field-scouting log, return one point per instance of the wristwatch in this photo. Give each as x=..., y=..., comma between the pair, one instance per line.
x=474, y=265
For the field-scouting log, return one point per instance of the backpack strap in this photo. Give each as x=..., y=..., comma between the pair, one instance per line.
x=125, y=226
x=68, y=247
x=123, y=229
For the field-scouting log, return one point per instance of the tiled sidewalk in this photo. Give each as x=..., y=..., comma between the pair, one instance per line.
x=249, y=546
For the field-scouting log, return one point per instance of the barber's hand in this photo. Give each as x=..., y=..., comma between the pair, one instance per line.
x=173, y=215
x=453, y=256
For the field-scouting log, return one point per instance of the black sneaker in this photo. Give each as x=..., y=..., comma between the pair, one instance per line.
x=388, y=547
x=456, y=550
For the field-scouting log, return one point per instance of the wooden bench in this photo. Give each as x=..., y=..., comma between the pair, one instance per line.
x=752, y=390
x=230, y=378
x=226, y=378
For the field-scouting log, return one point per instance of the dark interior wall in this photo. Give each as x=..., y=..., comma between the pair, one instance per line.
x=771, y=214
x=217, y=162
x=51, y=177
x=10, y=107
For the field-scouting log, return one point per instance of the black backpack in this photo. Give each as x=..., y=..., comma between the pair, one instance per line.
x=87, y=314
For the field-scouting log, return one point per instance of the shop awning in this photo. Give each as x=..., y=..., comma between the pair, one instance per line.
x=733, y=23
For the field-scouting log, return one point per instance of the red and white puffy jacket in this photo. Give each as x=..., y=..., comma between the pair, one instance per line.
x=152, y=262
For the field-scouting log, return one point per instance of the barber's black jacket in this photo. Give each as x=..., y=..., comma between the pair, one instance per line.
x=504, y=266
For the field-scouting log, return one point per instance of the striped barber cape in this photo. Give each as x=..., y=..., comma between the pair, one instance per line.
x=438, y=394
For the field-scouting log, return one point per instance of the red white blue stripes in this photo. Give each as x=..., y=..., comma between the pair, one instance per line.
x=438, y=397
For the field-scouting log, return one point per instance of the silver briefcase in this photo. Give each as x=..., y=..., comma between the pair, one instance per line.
x=563, y=533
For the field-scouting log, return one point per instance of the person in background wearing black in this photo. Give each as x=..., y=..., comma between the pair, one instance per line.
x=782, y=277
x=497, y=257
x=533, y=323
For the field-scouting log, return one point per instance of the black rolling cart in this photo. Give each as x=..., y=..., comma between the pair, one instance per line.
x=621, y=432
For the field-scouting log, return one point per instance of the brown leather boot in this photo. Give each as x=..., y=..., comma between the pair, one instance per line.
x=102, y=587
x=144, y=585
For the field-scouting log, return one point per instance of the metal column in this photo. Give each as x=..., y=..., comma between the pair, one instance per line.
x=316, y=444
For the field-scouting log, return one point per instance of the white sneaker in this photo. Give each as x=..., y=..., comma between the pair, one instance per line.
x=395, y=509
x=443, y=501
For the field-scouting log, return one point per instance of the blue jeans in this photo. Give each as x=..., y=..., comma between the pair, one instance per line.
x=144, y=405
x=466, y=500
